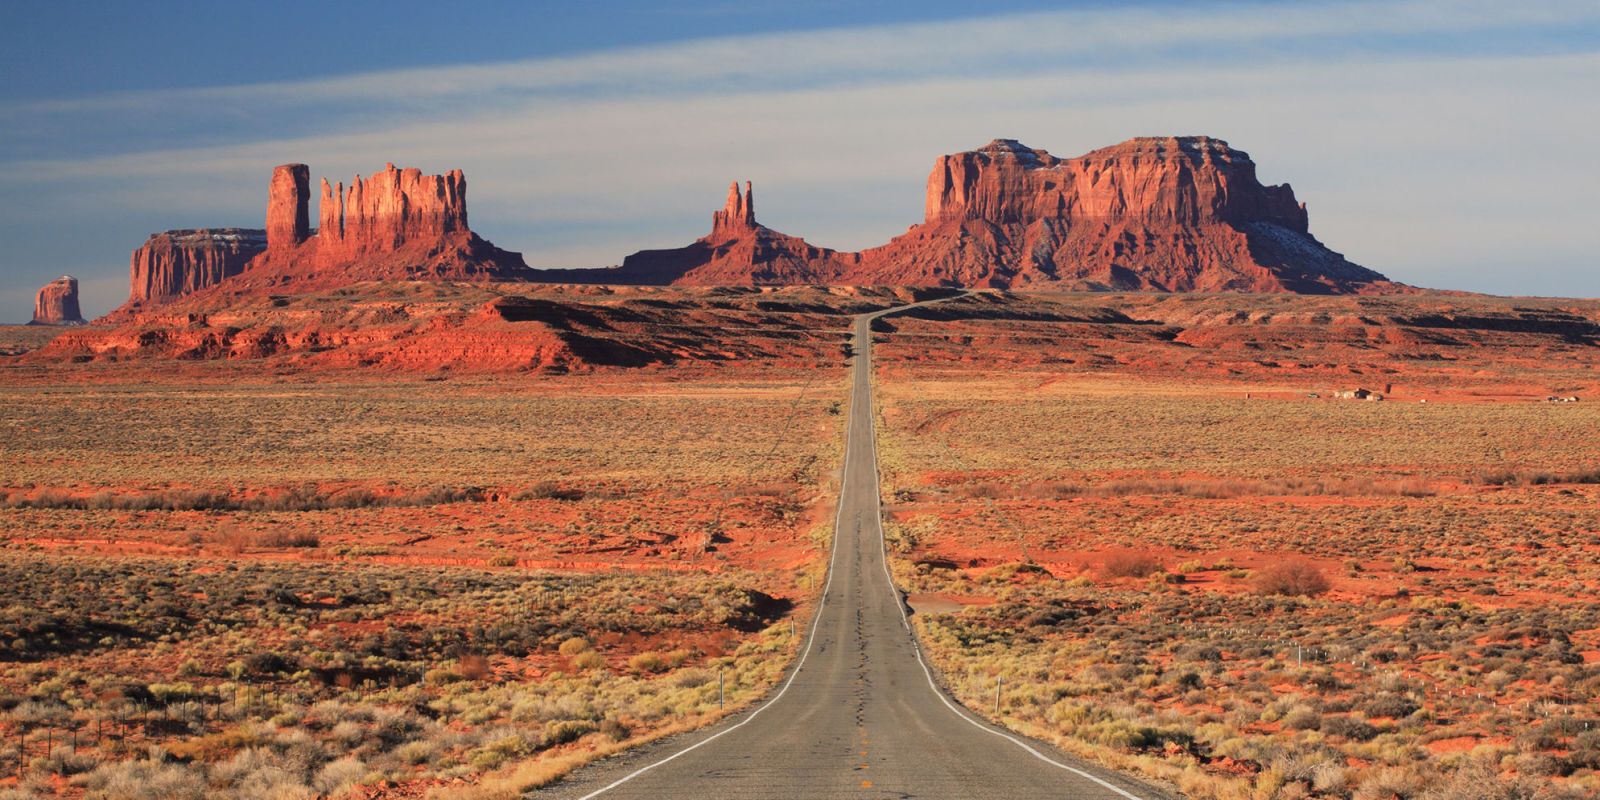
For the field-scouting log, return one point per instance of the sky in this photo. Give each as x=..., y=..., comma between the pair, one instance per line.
x=1446, y=144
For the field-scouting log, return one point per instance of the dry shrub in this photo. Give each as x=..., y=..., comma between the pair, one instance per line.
x=1294, y=577
x=1223, y=488
x=648, y=661
x=986, y=490
x=1480, y=780
x=233, y=540
x=300, y=497
x=215, y=746
x=473, y=667
x=548, y=490
x=282, y=538
x=1129, y=563
x=1508, y=477
x=1387, y=783
x=1415, y=487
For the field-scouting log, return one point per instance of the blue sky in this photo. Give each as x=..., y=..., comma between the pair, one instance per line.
x=1449, y=144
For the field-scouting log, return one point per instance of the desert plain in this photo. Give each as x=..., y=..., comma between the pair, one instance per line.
x=1147, y=529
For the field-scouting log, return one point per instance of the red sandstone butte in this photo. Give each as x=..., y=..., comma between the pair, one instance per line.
x=57, y=303
x=1173, y=214
x=398, y=224
x=181, y=262
x=737, y=252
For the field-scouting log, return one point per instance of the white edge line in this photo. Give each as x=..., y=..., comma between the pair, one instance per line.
x=823, y=602
x=816, y=620
x=906, y=619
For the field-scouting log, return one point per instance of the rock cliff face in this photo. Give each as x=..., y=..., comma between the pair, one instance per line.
x=57, y=303
x=288, y=222
x=1174, y=214
x=1170, y=214
x=389, y=209
x=738, y=215
x=398, y=224
x=738, y=252
x=181, y=262
x=1189, y=180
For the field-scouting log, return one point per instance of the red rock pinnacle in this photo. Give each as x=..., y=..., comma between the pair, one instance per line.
x=57, y=303
x=738, y=215
x=288, y=206
x=330, y=225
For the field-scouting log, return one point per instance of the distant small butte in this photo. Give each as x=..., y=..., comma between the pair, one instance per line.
x=1172, y=214
x=56, y=303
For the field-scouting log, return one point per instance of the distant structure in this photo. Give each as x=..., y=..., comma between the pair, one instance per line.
x=396, y=224
x=57, y=303
x=1358, y=394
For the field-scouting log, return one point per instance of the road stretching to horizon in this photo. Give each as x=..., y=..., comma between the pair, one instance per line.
x=858, y=715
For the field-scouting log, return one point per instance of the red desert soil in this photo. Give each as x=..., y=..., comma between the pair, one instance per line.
x=1209, y=567
x=943, y=602
x=302, y=467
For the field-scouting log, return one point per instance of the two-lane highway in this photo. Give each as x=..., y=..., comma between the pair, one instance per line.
x=859, y=715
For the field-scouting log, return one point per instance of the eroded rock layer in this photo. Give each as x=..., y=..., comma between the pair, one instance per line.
x=181, y=262
x=57, y=303
x=463, y=328
x=1170, y=214
x=397, y=224
x=737, y=252
x=1173, y=214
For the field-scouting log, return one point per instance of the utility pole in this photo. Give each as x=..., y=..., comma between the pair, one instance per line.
x=999, y=683
x=722, y=693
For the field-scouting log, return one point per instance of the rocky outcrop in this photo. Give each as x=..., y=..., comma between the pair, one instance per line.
x=288, y=219
x=738, y=252
x=181, y=262
x=460, y=328
x=1188, y=180
x=398, y=224
x=1172, y=214
x=390, y=209
x=738, y=215
x=57, y=303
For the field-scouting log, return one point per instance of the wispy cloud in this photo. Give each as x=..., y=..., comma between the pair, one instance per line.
x=1426, y=146
x=883, y=52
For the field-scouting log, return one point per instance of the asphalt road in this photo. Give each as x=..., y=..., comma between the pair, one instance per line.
x=859, y=715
